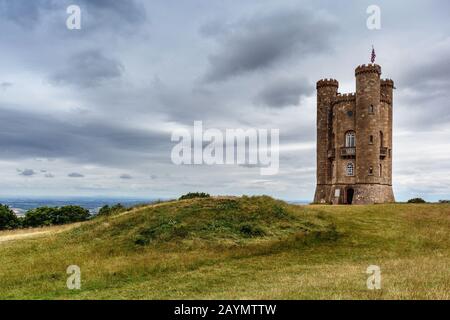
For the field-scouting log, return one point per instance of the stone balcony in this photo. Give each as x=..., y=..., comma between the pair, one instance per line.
x=383, y=152
x=348, y=152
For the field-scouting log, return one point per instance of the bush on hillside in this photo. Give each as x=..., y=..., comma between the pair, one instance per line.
x=69, y=214
x=46, y=216
x=106, y=210
x=416, y=200
x=8, y=219
x=192, y=195
x=444, y=201
x=250, y=230
x=39, y=217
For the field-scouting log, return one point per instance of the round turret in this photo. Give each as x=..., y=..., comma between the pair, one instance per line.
x=368, y=123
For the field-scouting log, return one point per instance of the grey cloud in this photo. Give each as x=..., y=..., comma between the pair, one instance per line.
x=95, y=13
x=28, y=135
x=430, y=76
x=185, y=106
x=5, y=85
x=87, y=69
x=213, y=28
x=23, y=12
x=75, y=175
x=129, y=11
x=49, y=175
x=126, y=176
x=284, y=92
x=423, y=91
x=261, y=42
x=27, y=172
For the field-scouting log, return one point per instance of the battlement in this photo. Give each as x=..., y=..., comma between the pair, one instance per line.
x=344, y=97
x=387, y=83
x=368, y=68
x=327, y=83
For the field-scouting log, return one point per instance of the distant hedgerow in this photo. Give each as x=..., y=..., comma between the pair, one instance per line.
x=416, y=200
x=192, y=195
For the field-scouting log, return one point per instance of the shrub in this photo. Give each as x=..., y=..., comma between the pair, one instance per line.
x=38, y=217
x=416, y=200
x=69, y=214
x=444, y=201
x=192, y=195
x=8, y=219
x=106, y=210
x=250, y=230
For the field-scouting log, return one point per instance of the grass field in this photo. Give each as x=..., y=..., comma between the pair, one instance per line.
x=236, y=248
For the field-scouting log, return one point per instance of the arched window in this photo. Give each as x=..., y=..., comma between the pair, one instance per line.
x=381, y=139
x=371, y=139
x=350, y=169
x=350, y=139
x=371, y=109
x=370, y=171
x=381, y=170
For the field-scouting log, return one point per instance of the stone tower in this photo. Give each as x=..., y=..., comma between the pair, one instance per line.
x=354, y=140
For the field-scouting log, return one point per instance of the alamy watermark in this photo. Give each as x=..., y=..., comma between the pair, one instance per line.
x=74, y=280
x=373, y=22
x=73, y=22
x=251, y=147
x=374, y=280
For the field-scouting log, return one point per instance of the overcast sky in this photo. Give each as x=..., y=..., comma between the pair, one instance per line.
x=90, y=112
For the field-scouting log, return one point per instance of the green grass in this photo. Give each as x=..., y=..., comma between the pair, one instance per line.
x=238, y=248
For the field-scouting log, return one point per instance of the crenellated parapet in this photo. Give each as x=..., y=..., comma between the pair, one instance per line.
x=327, y=83
x=344, y=97
x=368, y=68
x=387, y=83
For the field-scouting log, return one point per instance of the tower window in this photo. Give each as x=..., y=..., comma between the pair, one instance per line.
x=350, y=169
x=371, y=109
x=371, y=139
x=381, y=170
x=350, y=139
x=371, y=171
x=381, y=139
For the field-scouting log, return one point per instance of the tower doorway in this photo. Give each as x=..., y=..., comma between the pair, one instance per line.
x=349, y=195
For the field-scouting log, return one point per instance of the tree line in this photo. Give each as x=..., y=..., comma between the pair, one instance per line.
x=48, y=216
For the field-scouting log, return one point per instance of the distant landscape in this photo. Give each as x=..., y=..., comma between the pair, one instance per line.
x=21, y=205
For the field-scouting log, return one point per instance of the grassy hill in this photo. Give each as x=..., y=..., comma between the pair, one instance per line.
x=227, y=248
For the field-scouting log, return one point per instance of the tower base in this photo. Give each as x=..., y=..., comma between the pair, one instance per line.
x=354, y=194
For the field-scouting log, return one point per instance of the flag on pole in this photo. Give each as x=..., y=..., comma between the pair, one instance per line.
x=372, y=58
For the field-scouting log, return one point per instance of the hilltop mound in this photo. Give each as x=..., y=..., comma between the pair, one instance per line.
x=208, y=221
x=235, y=248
